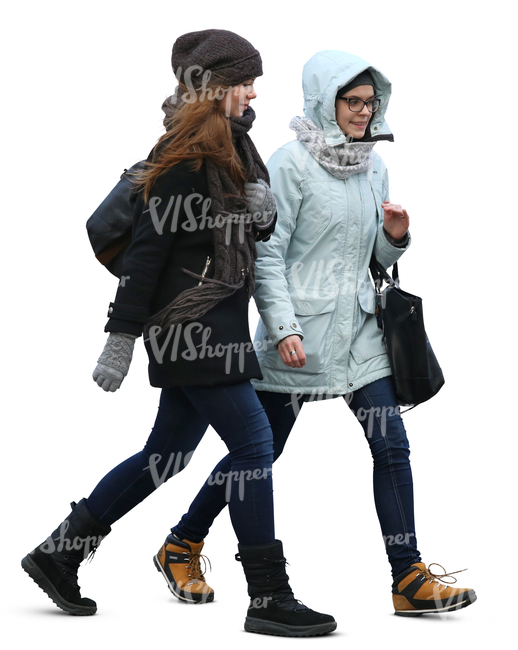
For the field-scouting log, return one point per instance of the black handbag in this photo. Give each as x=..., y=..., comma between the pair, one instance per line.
x=416, y=372
x=109, y=227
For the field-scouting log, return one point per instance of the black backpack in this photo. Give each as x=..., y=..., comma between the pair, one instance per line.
x=109, y=227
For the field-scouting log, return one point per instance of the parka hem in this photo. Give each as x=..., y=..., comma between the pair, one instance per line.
x=323, y=390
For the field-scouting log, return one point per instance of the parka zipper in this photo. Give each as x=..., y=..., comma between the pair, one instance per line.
x=205, y=269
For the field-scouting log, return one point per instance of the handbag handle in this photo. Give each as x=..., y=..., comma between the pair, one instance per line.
x=379, y=274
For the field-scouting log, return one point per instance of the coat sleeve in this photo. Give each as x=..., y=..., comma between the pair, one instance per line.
x=264, y=232
x=263, y=227
x=154, y=232
x=386, y=252
x=272, y=296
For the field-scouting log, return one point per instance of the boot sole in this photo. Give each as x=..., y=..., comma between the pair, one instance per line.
x=194, y=600
x=30, y=567
x=451, y=608
x=260, y=626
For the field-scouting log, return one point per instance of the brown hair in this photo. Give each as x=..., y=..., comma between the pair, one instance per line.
x=197, y=130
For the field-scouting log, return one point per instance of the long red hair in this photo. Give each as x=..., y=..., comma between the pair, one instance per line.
x=197, y=130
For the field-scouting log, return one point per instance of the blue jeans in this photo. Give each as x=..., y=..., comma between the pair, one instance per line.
x=184, y=414
x=375, y=407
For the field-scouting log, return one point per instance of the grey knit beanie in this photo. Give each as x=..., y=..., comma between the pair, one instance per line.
x=216, y=56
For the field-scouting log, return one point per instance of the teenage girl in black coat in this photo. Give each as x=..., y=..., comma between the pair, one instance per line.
x=203, y=199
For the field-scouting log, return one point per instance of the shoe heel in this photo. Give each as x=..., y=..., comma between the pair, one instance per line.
x=37, y=575
x=157, y=564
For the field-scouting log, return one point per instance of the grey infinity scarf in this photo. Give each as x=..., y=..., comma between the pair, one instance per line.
x=341, y=161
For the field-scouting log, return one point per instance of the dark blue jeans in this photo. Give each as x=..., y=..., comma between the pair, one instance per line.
x=184, y=414
x=375, y=407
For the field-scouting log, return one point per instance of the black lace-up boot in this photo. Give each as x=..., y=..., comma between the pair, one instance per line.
x=53, y=565
x=273, y=607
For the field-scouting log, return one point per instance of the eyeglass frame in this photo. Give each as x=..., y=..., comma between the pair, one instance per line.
x=375, y=99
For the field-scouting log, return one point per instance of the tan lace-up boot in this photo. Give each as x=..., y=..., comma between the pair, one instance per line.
x=418, y=591
x=179, y=562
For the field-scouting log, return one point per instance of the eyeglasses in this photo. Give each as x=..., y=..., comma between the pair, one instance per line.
x=356, y=105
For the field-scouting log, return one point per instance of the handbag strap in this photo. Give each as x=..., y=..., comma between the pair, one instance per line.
x=379, y=274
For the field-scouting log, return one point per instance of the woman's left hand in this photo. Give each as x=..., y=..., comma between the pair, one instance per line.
x=396, y=220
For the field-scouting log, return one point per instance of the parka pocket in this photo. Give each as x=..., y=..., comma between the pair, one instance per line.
x=368, y=340
x=315, y=317
x=368, y=343
x=312, y=305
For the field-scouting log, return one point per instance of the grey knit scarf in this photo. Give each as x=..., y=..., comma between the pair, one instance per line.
x=235, y=255
x=342, y=160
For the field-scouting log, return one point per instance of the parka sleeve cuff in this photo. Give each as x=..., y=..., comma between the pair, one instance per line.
x=386, y=253
x=124, y=327
x=398, y=243
x=284, y=329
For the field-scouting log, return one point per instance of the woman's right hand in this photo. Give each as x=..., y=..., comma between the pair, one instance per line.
x=287, y=345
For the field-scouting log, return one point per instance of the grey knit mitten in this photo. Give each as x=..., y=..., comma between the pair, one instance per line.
x=114, y=362
x=260, y=199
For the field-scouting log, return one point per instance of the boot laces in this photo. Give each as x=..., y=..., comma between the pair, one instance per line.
x=194, y=569
x=431, y=577
x=70, y=567
x=282, y=592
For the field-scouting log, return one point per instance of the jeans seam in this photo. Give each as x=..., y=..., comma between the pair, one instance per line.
x=389, y=456
x=251, y=438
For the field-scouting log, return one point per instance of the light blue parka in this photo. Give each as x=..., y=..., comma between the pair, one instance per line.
x=312, y=275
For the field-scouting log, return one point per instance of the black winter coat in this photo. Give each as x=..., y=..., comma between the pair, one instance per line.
x=216, y=349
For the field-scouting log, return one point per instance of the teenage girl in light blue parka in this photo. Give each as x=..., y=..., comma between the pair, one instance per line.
x=318, y=335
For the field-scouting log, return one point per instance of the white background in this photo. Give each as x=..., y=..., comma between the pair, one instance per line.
x=82, y=88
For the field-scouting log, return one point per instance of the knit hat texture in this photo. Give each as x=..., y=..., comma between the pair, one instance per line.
x=229, y=58
x=363, y=79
